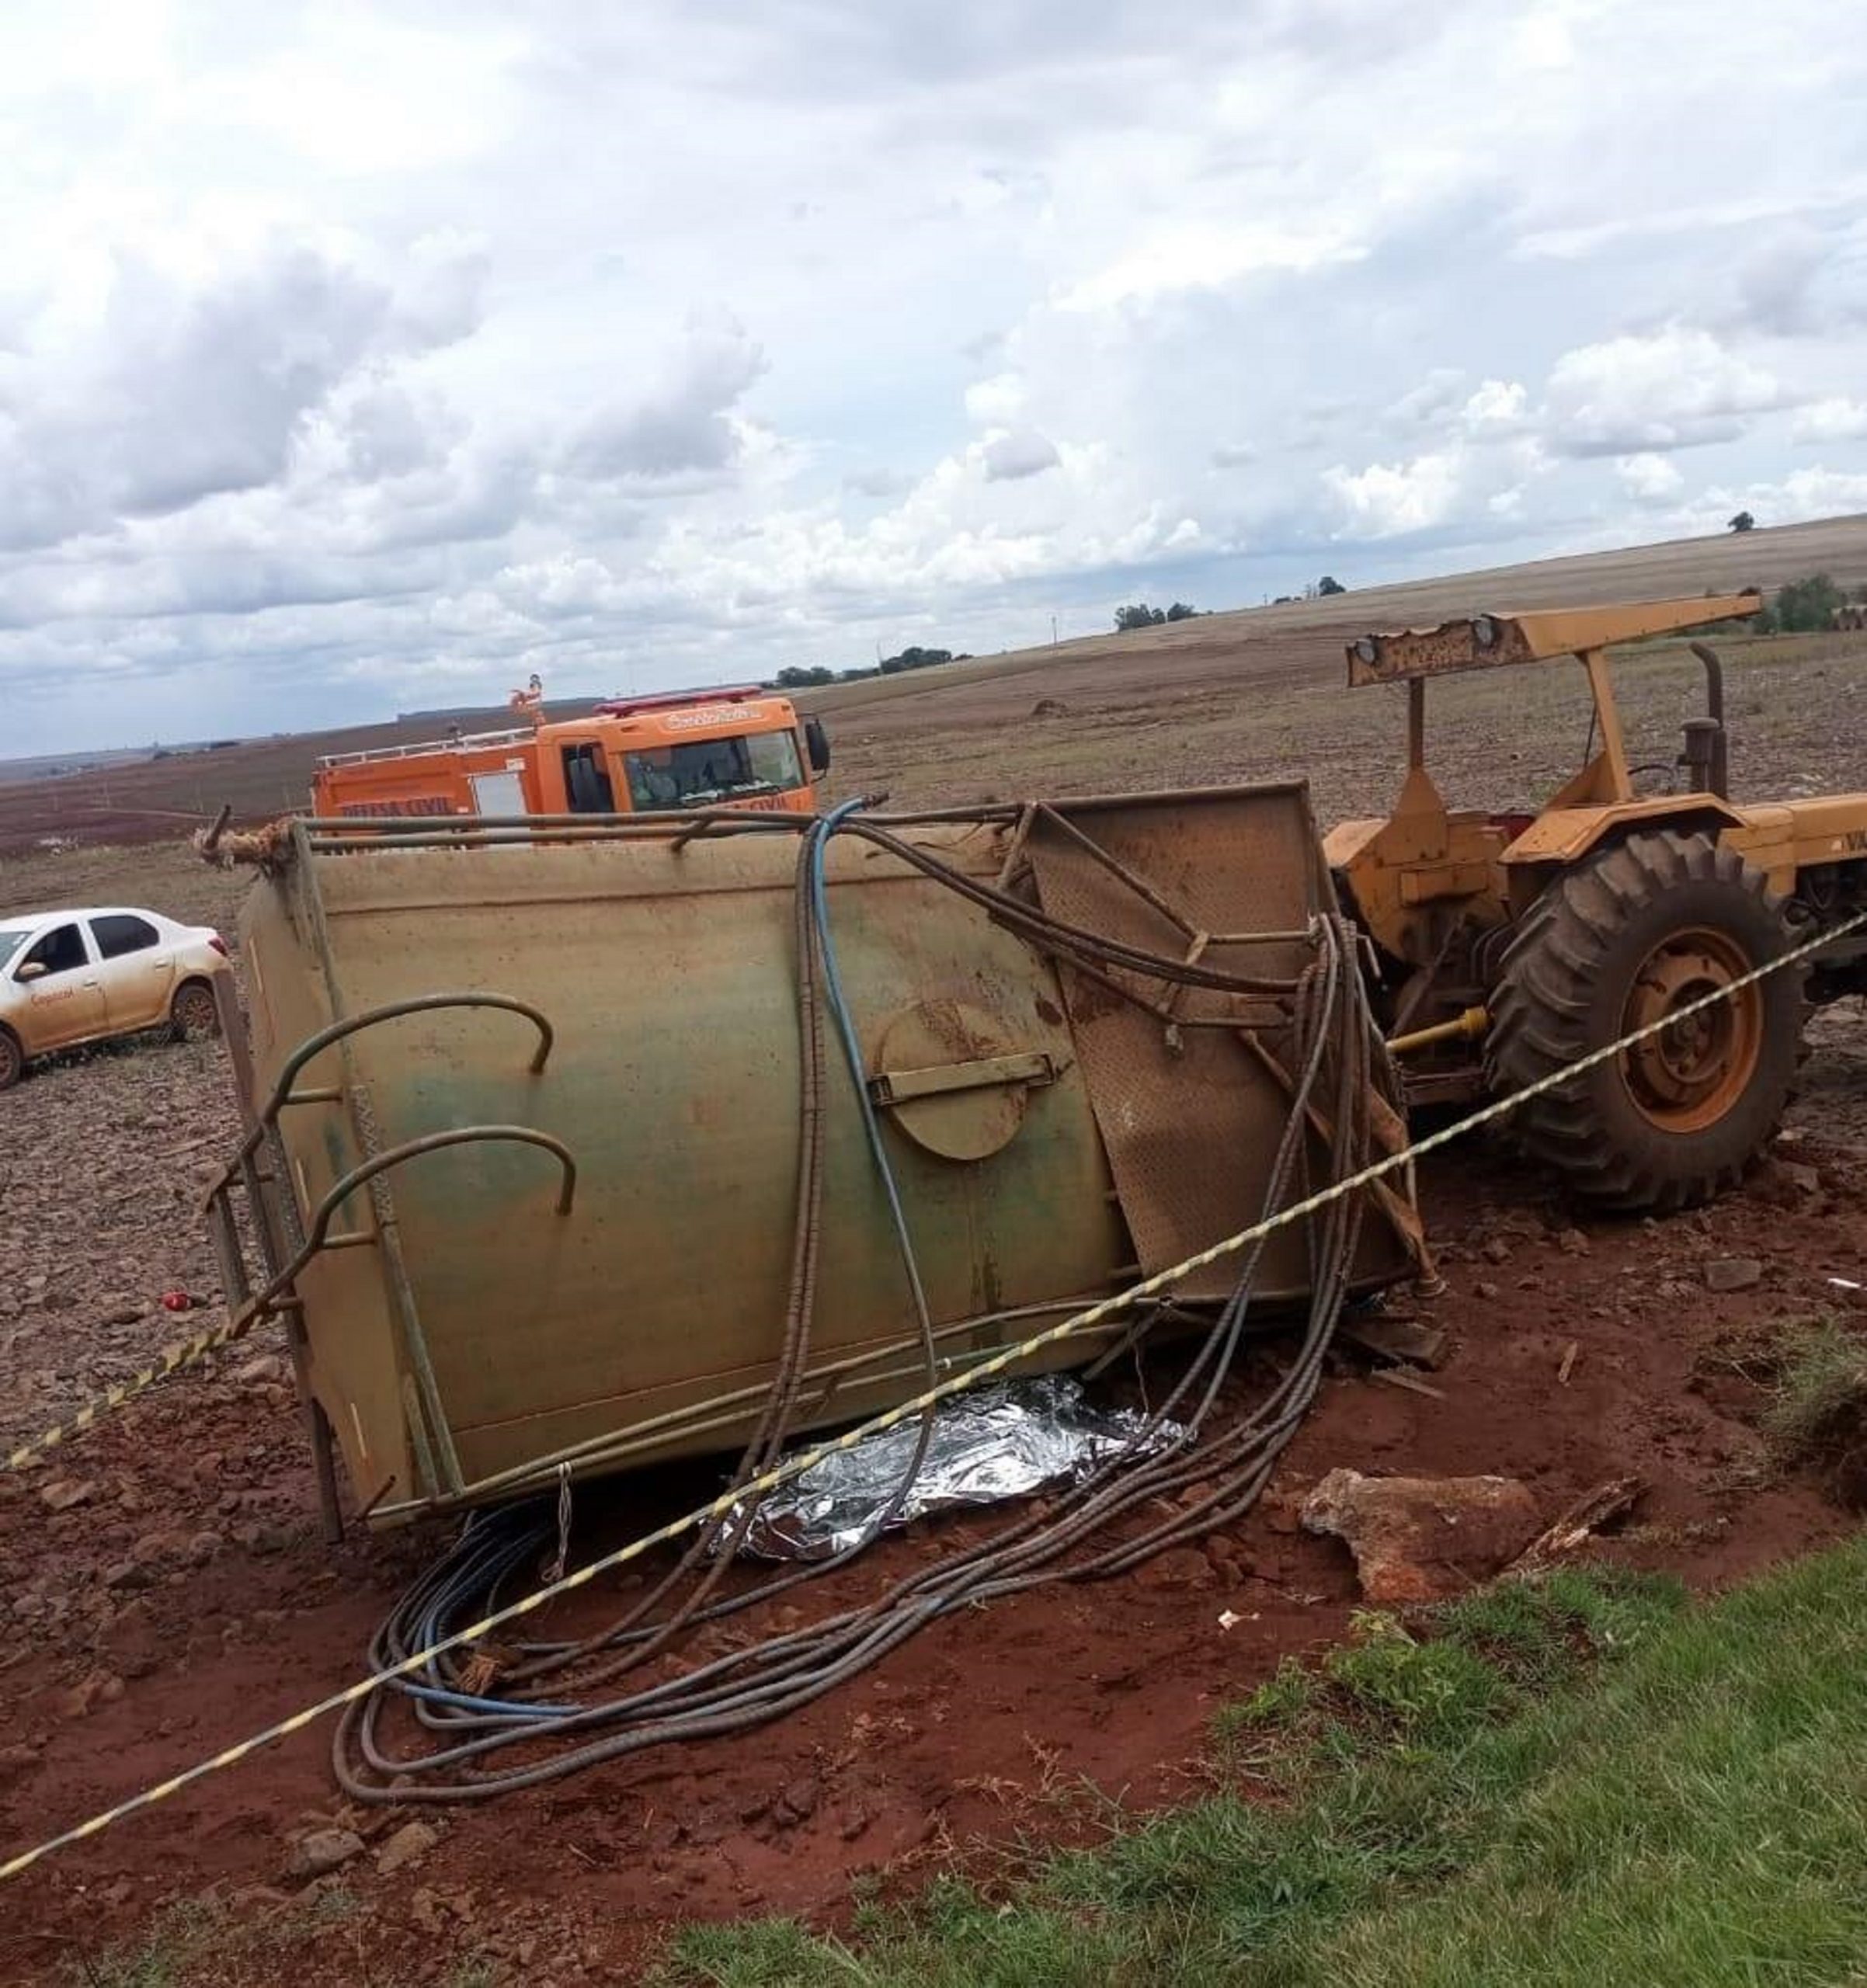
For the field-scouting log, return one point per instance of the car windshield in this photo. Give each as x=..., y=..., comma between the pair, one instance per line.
x=691, y=775
x=12, y=938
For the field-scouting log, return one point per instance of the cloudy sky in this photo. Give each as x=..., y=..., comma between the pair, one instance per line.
x=356, y=358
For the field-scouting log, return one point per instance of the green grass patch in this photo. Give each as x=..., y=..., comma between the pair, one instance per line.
x=1573, y=1781
x=1818, y=1412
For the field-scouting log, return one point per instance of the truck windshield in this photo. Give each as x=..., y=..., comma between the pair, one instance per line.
x=11, y=942
x=697, y=773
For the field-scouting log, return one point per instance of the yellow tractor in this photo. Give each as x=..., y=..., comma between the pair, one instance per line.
x=1506, y=946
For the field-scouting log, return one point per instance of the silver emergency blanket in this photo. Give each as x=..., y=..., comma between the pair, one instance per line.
x=1003, y=1442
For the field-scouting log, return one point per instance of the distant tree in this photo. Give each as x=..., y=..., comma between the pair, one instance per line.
x=1328, y=584
x=1139, y=616
x=1180, y=612
x=914, y=658
x=1743, y=522
x=793, y=678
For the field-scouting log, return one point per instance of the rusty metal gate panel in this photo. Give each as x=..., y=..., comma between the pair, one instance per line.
x=1188, y=1116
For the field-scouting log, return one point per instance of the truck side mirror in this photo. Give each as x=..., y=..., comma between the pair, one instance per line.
x=816, y=744
x=31, y=970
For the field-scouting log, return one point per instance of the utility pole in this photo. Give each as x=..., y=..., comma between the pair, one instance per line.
x=1053, y=631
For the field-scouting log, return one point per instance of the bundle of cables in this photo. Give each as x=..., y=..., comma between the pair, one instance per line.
x=483, y=1724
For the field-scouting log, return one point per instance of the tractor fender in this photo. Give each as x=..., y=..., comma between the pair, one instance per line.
x=1564, y=836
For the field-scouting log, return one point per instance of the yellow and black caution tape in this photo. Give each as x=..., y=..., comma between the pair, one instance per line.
x=795, y=1466
x=173, y=1358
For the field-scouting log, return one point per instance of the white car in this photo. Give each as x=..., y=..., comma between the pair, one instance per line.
x=70, y=977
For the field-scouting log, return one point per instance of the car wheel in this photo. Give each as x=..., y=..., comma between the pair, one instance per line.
x=193, y=1012
x=12, y=1060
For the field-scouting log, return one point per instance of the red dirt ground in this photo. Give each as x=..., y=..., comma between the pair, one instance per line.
x=996, y=1724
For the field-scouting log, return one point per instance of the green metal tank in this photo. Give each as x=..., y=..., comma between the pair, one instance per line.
x=570, y=1052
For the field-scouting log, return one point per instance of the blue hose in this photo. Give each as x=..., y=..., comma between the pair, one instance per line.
x=852, y=1048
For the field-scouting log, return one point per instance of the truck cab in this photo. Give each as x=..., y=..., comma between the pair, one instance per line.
x=672, y=753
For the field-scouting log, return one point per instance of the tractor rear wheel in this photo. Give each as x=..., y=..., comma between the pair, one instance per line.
x=1639, y=932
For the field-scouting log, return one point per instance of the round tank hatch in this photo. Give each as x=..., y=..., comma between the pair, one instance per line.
x=951, y=1077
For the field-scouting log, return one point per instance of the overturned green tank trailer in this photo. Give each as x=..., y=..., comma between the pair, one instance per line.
x=523, y=1108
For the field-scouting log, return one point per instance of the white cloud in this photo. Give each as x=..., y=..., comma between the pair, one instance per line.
x=1198, y=255
x=1649, y=479
x=1022, y=452
x=1801, y=495
x=1838, y=418
x=1432, y=399
x=1387, y=500
x=683, y=422
x=1498, y=407
x=1676, y=388
x=999, y=399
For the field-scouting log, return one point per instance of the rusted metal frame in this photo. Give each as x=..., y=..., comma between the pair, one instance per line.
x=1046, y=934
x=1176, y=1001
x=414, y=1421
x=267, y=1221
x=1008, y=870
x=1162, y=1012
x=1404, y=1221
x=1198, y=940
x=424, y=1412
x=1117, y=868
x=233, y=1033
x=291, y=1216
x=235, y=1281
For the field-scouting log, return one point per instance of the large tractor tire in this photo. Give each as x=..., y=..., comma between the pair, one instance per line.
x=1639, y=932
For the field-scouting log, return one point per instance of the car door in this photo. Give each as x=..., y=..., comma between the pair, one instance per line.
x=136, y=963
x=64, y=996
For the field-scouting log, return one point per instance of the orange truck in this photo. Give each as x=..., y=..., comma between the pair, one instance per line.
x=742, y=748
